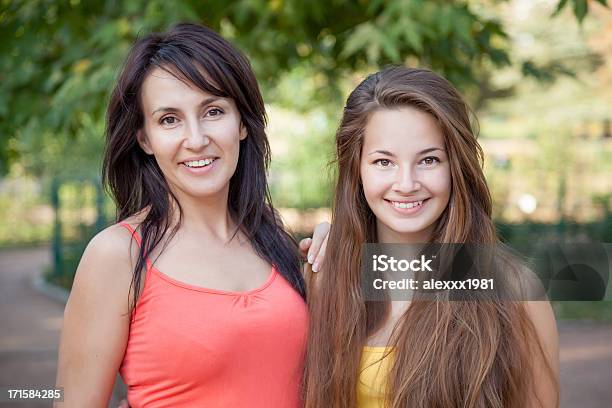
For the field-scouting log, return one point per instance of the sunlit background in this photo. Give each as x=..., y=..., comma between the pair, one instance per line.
x=537, y=73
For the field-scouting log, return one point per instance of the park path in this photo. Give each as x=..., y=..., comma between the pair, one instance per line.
x=30, y=323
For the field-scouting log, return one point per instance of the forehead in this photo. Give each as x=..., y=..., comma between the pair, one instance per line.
x=404, y=129
x=160, y=87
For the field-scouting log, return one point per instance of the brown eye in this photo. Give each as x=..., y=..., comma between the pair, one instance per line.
x=214, y=112
x=168, y=120
x=430, y=161
x=383, y=162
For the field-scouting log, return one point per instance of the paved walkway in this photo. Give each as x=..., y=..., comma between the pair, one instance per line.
x=586, y=364
x=30, y=323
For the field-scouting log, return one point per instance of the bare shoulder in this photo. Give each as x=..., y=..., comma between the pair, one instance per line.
x=107, y=263
x=543, y=318
x=540, y=310
x=113, y=244
x=546, y=364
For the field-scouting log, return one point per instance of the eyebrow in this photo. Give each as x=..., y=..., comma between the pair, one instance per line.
x=203, y=103
x=388, y=153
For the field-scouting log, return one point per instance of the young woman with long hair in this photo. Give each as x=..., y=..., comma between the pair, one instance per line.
x=410, y=171
x=196, y=295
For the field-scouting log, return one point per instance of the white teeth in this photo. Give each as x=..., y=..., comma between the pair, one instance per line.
x=199, y=163
x=407, y=205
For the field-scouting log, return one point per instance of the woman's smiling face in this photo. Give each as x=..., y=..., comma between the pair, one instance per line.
x=405, y=173
x=194, y=136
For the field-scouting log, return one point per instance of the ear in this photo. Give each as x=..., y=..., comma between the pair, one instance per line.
x=141, y=137
x=243, y=131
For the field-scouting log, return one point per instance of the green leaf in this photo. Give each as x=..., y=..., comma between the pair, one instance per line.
x=445, y=21
x=389, y=48
x=358, y=40
x=374, y=6
x=560, y=6
x=580, y=9
x=412, y=36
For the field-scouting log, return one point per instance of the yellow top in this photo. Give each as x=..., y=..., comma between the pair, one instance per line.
x=375, y=366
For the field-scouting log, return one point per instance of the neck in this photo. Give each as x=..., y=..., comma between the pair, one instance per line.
x=208, y=216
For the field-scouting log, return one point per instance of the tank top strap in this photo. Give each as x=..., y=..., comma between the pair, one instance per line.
x=138, y=239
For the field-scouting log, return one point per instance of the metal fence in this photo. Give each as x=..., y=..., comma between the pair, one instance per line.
x=81, y=209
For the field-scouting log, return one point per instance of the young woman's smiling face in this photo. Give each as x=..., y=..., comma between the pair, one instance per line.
x=405, y=173
x=194, y=136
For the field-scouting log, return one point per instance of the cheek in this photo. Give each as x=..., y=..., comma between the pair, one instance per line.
x=375, y=184
x=439, y=183
x=164, y=148
x=230, y=137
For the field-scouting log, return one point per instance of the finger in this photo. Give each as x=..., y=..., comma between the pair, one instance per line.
x=318, y=236
x=306, y=270
x=304, y=246
x=310, y=278
x=320, y=256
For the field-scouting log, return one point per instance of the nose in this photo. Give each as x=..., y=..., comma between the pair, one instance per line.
x=405, y=181
x=196, y=137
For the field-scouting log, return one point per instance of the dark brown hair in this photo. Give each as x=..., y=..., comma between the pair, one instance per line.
x=199, y=56
x=446, y=353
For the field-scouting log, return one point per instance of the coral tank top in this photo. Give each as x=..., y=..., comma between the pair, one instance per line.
x=190, y=346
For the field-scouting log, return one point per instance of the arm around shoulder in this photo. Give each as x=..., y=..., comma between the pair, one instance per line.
x=96, y=321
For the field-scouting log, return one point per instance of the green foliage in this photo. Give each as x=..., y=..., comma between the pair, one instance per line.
x=60, y=58
x=337, y=38
x=60, y=62
x=25, y=220
x=579, y=7
x=300, y=176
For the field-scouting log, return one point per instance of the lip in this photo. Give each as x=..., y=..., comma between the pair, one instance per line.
x=408, y=211
x=200, y=170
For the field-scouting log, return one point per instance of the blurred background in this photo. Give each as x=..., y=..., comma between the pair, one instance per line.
x=537, y=73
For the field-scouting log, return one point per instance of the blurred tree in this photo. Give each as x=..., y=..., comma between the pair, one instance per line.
x=59, y=58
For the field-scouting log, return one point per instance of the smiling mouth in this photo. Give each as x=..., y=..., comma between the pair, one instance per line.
x=407, y=204
x=197, y=164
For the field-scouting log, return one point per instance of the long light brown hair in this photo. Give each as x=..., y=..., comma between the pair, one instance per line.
x=447, y=353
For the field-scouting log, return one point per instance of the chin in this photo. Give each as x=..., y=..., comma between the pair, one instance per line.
x=206, y=192
x=409, y=231
x=407, y=227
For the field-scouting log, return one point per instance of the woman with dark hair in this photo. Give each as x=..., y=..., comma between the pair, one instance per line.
x=410, y=171
x=195, y=296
